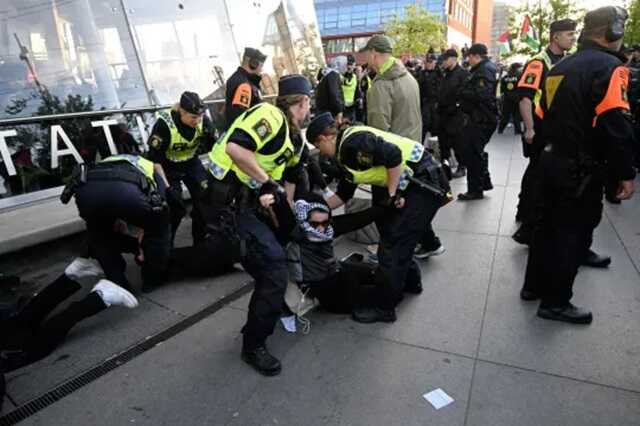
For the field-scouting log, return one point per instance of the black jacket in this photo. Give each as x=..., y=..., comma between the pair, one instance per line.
x=478, y=94
x=586, y=111
x=509, y=86
x=329, y=94
x=430, y=82
x=242, y=92
x=450, y=86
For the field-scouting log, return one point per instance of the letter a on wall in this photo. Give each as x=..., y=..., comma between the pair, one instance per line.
x=70, y=149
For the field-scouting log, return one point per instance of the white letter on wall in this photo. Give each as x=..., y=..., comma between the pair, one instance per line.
x=4, y=151
x=105, y=127
x=55, y=154
x=143, y=132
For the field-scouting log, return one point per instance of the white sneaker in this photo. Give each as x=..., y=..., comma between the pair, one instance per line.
x=114, y=295
x=82, y=268
x=422, y=253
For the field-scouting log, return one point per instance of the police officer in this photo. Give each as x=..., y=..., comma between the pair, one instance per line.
x=350, y=90
x=405, y=179
x=243, y=87
x=561, y=39
x=429, y=81
x=262, y=148
x=173, y=146
x=588, y=136
x=478, y=102
x=510, y=100
x=126, y=188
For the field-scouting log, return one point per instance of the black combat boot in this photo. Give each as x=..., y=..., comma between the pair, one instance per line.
x=487, y=185
x=569, y=313
x=262, y=361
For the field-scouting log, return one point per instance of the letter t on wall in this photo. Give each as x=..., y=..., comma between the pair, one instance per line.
x=4, y=151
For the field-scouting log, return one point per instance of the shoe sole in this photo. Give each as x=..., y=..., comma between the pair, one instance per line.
x=554, y=317
x=436, y=252
x=264, y=373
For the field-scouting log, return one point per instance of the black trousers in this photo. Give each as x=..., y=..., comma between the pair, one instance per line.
x=101, y=204
x=400, y=231
x=471, y=149
x=510, y=111
x=353, y=285
x=563, y=234
x=529, y=189
x=215, y=255
x=429, y=119
x=192, y=173
x=31, y=336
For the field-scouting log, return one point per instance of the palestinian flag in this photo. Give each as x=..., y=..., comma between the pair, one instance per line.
x=528, y=34
x=503, y=43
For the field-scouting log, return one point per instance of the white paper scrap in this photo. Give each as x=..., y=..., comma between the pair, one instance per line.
x=438, y=398
x=289, y=323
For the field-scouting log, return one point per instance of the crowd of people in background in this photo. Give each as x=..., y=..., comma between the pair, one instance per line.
x=264, y=199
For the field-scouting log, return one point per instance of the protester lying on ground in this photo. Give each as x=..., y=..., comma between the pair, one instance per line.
x=340, y=286
x=26, y=337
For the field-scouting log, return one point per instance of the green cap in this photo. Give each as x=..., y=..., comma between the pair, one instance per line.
x=379, y=43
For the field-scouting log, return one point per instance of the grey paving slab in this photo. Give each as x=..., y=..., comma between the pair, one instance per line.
x=508, y=224
x=516, y=170
x=480, y=216
x=447, y=315
x=90, y=342
x=196, y=378
x=503, y=396
x=335, y=378
x=190, y=295
x=604, y=352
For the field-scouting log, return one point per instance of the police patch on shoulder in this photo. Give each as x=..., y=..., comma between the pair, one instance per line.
x=155, y=141
x=263, y=128
x=364, y=159
x=530, y=78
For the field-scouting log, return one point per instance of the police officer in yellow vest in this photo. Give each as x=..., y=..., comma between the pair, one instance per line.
x=405, y=179
x=562, y=39
x=125, y=188
x=261, y=149
x=350, y=90
x=173, y=147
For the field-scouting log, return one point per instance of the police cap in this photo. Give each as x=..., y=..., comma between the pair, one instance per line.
x=191, y=103
x=351, y=60
x=449, y=53
x=318, y=125
x=562, y=25
x=431, y=57
x=478, y=49
x=294, y=84
x=255, y=54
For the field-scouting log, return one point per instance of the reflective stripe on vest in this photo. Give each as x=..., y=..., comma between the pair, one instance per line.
x=180, y=149
x=142, y=164
x=412, y=152
x=349, y=89
x=262, y=122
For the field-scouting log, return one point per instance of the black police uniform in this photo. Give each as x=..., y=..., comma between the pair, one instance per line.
x=451, y=122
x=528, y=85
x=510, y=102
x=329, y=94
x=400, y=229
x=118, y=190
x=478, y=102
x=430, y=81
x=191, y=171
x=588, y=134
x=242, y=92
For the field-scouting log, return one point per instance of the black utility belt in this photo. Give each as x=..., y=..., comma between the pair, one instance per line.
x=120, y=175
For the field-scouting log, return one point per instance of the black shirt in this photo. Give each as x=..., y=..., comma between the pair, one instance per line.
x=450, y=86
x=242, y=92
x=329, y=94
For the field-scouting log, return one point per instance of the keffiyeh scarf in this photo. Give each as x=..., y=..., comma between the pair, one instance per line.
x=302, y=209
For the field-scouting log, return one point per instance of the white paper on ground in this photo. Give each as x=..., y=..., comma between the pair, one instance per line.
x=438, y=398
x=289, y=323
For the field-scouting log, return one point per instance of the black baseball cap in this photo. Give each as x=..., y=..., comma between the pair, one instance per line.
x=191, y=103
x=562, y=25
x=450, y=53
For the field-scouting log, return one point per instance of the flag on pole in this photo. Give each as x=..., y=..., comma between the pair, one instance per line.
x=528, y=34
x=503, y=43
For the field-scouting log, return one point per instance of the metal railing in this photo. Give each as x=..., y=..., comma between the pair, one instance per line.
x=21, y=200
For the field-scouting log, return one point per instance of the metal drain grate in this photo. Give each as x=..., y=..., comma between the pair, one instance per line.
x=32, y=407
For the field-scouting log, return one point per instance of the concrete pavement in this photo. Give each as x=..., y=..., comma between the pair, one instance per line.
x=468, y=333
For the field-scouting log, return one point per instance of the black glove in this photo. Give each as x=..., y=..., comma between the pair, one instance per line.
x=274, y=188
x=391, y=201
x=174, y=198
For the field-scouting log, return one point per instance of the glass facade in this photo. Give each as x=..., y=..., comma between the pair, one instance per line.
x=337, y=18
x=74, y=56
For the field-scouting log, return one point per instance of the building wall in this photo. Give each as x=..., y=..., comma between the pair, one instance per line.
x=483, y=22
x=499, y=26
